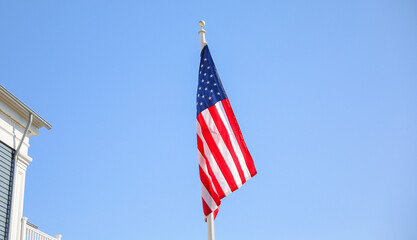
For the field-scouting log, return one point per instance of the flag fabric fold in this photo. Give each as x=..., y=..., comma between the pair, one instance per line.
x=225, y=163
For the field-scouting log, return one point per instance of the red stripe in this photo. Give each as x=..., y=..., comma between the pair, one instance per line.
x=207, y=210
x=216, y=184
x=239, y=137
x=205, y=180
x=226, y=139
x=216, y=211
x=216, y=153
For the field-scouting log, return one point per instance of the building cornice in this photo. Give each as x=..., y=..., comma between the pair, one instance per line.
x=22, y=109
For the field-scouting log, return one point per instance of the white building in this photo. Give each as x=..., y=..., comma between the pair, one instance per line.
x=17, y=124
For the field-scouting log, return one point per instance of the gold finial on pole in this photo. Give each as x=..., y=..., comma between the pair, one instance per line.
x=202, y=23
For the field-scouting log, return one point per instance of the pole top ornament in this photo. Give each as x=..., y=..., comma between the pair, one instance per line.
x=202, y=23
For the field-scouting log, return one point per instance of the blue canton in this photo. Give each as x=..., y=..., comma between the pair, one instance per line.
x=210, y=89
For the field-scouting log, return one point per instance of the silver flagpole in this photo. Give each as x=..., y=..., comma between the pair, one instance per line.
x=210, y=217
x=202, y=33
x=210, y=227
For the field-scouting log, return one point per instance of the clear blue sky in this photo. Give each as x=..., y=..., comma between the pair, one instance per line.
x=325, y=93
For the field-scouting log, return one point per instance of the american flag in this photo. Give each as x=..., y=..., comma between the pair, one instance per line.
x=225, y=163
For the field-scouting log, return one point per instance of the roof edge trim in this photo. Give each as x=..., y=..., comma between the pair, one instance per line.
x=20, y=104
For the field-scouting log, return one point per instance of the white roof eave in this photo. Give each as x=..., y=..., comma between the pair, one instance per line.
x=23, y=109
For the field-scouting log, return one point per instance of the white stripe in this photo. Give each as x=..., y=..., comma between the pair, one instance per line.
x=203, y=165
x=213, y=164
x=238, y=151
x=221, y=146
x=207, y=198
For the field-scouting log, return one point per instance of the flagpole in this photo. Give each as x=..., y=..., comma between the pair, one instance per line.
x=202, y=33
x=210, y=226
x=210, y=217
